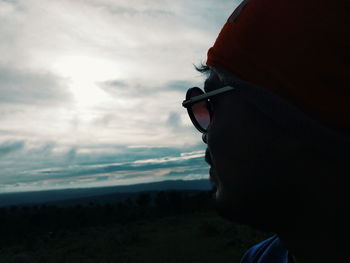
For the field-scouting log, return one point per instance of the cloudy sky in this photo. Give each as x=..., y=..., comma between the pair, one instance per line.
x=91, y=90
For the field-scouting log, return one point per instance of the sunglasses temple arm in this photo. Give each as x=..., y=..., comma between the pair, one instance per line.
x=187, y=103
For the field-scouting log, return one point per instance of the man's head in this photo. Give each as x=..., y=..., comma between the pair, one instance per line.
x=269, y=173
x=277, y=157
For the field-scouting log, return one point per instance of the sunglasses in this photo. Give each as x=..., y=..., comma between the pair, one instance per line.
x=198, y=106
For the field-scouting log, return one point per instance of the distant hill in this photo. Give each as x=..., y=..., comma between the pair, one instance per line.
x=73, y=196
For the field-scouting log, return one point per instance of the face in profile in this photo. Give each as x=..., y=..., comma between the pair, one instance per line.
x=244, y=167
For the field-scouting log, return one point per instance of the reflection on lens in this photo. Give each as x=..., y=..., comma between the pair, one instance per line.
x=201, y=113
x=200, y=110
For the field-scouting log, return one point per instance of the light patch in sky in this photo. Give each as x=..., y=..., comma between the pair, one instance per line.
x=83, y=74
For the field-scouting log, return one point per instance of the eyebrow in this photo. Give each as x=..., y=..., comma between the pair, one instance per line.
x=213, y=82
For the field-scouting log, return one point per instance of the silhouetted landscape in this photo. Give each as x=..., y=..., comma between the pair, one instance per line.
x=98, y=194
x=150, y=223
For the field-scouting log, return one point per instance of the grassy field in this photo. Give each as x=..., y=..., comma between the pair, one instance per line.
x=192, y=237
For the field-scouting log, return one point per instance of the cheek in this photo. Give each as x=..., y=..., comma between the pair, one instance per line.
x=232, y=150
x=230, y=170
x=220, y=136
x=228, y=149
x=229, y=134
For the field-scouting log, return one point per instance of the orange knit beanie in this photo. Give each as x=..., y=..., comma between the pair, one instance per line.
x=298, y=49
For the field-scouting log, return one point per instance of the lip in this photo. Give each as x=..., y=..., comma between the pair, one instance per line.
x=213, y=178
x=208, y=158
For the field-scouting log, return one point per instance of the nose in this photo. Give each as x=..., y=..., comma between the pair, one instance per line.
x=204, y=137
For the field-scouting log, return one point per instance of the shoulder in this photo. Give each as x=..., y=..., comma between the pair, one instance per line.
x=269, y=250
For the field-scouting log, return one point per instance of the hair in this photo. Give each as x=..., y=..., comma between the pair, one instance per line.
x=202, y=68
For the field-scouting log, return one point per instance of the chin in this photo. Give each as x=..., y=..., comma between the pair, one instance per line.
x=240, y=213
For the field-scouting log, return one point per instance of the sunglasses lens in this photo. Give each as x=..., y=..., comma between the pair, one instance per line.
x=200, y=110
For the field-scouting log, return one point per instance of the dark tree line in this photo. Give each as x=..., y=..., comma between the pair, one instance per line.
x=24, y=224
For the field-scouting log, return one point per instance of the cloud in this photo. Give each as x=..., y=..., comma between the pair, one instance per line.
x=119, y=87
x=127, y=88
x=28, y=87
x=10, y=147
x=174, y=121
x=116, y=165
x=182, y=85
x=84, y=83
x=119, y=9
